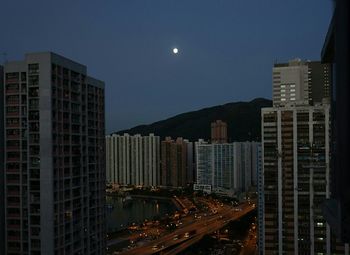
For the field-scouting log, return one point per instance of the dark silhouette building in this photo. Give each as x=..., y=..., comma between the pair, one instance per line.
x=54, y=157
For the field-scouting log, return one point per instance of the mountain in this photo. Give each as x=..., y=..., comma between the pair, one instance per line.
x=243, y=120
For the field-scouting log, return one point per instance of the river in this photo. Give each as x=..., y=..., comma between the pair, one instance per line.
x=119, y=216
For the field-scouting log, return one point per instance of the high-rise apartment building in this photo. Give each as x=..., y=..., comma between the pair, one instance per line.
x=218, y=132
x=260, y=191
x=2, y=165
x=296, y=162
x=301, y=82
x=133, y=159
x=243, y=165
x=256, y=162
x=190, y=165
x=226, y=167
x=176, y=162
x=54, y=157
x=296, y=180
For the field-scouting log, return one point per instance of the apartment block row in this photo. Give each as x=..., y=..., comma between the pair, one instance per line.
x=146, y=161
x=53, y=160
x=133, y=159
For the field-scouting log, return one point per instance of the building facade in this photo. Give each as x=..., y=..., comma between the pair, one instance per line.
x=219, y=132
x=133, y=159
x=54, y=157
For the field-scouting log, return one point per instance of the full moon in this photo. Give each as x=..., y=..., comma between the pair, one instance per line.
x=175, y=50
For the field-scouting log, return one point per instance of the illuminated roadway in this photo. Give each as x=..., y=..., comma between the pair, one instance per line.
x=176, y=241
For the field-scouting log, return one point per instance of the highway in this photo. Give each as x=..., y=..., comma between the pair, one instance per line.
x=192, y=232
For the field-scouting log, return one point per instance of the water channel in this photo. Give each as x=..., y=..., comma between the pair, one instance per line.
x=120, y=214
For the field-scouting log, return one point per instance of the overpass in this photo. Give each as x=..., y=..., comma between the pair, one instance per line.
x=182, y=238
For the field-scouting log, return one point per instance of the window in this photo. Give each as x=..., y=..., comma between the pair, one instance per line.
x=33, y=68
x=12, y=77
x=23, y=77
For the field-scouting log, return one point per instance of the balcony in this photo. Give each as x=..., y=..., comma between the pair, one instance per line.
x=14, y=226
x=12, y=102
x=12, y=125
x=13, y=215
x=13, y=114
x=13, y=159
x=12, y=148
x=12, y=91
x=14, y=238
x=14, y=193
x=12, y=170
x=12, y=80
x=13, y=203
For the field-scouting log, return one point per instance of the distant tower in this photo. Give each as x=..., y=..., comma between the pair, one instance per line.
x=218, y=132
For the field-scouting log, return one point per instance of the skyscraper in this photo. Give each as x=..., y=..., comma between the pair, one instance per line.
x=2, y=168
x=54, y=157
x=301, y=82
x=218, y=132
x=296, y=163
x=133, y=159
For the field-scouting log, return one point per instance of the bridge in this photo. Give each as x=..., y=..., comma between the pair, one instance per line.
x=192, y=232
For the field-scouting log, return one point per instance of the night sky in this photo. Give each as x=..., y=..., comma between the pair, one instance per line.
x=226, y=47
